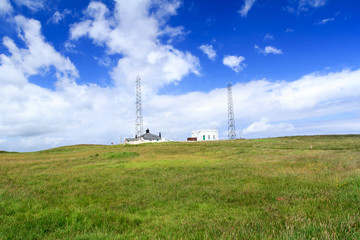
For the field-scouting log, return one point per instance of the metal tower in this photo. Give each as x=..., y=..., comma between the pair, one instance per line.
x=139, y=116
x=231, y=120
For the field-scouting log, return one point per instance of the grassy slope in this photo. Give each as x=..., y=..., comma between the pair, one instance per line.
x=266, y=188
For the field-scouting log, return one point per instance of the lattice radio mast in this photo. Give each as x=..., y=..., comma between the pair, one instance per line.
x=231, y=120
x=139, y=116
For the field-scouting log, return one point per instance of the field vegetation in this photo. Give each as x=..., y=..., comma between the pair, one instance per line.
x=275, y=188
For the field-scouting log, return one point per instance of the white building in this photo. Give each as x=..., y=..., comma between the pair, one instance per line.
x=205, y=135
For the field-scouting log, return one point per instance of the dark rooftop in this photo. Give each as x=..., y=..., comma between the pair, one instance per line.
x=150, y=136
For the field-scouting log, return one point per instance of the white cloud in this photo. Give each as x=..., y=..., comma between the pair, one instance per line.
x=5, y=7
x=31, y=111
x=103, y=61
x=167, y=9
x=312, y=3
x=303, y=5
x=36, y=118
x=37, y=58
x=70, y=47
x=133, y=33
x=174, y=32
x=278, y=101
x=268, y=36
x=209, y=51
x=326, y=20
x=246, y=8
x=268, y=50
x=34, y=5
x=264, y=126
x=234, y=62
x=273, y=50
x=57, y=17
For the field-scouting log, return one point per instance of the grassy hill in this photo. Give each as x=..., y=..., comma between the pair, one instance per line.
x=276, y=188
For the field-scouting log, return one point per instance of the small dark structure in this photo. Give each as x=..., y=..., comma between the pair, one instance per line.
x=147, y=136
x=191, y=139
x=130, y=140
x=151, y=137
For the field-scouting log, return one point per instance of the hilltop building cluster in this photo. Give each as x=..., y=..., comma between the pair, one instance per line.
x=204, y=135
x=147, y=137
x=196, y=135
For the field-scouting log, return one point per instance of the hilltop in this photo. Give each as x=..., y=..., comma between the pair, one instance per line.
x=274, y=188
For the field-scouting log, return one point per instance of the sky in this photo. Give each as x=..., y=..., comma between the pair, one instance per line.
x=68, y=69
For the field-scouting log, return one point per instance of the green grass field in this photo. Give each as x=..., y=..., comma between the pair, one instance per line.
x=274, y=188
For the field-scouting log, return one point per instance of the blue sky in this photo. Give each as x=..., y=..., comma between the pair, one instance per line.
x=68, y=68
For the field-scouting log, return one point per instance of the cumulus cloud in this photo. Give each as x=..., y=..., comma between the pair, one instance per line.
x=246, y=8
x=37, y=58
x=174, y=33
x=32, y=111
x=57, y=17
x=209, y=51
x=268, y=36
x=35, y=118
x=135, y=34
x=268, y=50
x=34, y=5
x=103, y=61
x=276, y=102
x=5, y=7
x=312, y=3
x=304, y=5
x=326, y=20
x=38, y=118
x=264, y=126
x=234, y=62
x=272, y=50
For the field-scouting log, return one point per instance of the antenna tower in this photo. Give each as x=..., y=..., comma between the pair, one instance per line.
x=231, y=120
x=139, y=116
